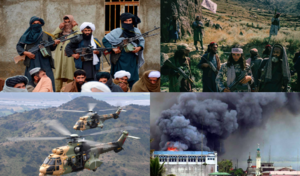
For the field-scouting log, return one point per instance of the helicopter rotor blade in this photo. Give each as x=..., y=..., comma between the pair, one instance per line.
x=133, y=137
x=107, y=109
x=98, y=144
x=114, y=130
x=91, y=106
x=56, y=125
x=65, y=110
x=18, y=139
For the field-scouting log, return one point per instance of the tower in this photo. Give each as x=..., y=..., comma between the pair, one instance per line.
x=258, y=161
x=249, y=161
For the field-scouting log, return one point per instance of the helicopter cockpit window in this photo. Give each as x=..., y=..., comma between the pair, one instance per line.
x=84, y=157
x=58, y=161
x=52, y=162
x=46, y=160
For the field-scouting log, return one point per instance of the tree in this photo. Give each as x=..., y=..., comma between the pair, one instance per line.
x=155, y=168
x=237, y=172
x=225, y=165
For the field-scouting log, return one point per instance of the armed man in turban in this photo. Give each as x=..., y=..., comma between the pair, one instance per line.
x=274, y=71
x=210, y=64
x=90, y=63
x=15, y=84
x=129, y=61
x=64, y=65
x=233, y=69
x=150, y=82
x=33, y=36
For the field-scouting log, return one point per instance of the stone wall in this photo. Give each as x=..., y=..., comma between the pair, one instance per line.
x=15, y=16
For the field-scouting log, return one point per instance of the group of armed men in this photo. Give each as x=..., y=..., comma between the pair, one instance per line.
x=77, y=59
x=271, y=73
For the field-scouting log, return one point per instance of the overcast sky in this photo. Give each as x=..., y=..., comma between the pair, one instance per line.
x=119, y=99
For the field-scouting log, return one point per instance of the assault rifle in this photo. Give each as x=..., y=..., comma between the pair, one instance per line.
x=234, y=85
x=83, y=52
x=126, y=43
x=211, y=65
x=41, y=47
x=180, y=71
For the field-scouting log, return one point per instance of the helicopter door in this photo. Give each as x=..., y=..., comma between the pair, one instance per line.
x=58, y=163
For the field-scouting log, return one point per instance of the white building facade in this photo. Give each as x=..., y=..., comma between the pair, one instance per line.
x=186, y=163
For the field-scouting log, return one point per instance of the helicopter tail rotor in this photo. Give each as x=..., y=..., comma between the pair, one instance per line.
x=133, y=137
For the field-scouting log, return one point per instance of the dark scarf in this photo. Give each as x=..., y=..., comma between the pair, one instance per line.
x=34, y=32
x=128, y=29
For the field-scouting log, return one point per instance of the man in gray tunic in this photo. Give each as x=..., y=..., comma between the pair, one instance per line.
x=256, y=60
x=275, y=25
x=198, y=32
x=91, y=63
x=274, y=71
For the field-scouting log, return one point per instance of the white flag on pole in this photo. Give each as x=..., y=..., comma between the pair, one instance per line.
x=209, y=5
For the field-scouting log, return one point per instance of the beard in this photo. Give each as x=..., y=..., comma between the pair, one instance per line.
x=80, y=83
x=87, y=36
x=213, y=52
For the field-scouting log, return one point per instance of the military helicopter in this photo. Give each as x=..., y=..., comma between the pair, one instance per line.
x=78, y=154
x=92, y=119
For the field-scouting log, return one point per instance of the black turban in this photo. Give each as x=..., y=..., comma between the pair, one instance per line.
x=135, y=20
x=102, y=75
x=11, y=82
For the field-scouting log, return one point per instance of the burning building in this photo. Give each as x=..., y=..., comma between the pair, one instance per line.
x=186, y=163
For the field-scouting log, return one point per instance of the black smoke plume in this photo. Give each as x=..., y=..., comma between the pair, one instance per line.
x=199, y=121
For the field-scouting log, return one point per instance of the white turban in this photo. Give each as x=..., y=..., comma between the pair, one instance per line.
x=94, y=86
x=154, y=74
x=34, y=70
x=122, y=73
x=92, y=26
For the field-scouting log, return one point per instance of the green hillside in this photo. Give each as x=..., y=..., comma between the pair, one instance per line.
x=25, y=158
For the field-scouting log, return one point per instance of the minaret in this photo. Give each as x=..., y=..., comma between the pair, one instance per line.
x=258, y=161
x=249, y=161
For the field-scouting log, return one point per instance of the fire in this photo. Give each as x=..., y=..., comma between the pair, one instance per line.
x=172, y=149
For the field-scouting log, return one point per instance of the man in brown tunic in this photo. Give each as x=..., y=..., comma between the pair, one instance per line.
x=75, y=85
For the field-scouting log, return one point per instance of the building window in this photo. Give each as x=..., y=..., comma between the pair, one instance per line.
x=114, y=9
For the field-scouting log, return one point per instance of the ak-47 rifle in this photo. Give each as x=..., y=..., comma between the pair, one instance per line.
x=211, y=64
x=89, y=50
x=233, y=86
x=180, y=71
x=126, y=43
x=41, y=46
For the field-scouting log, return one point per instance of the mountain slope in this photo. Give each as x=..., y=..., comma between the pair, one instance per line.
x=25, y=158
